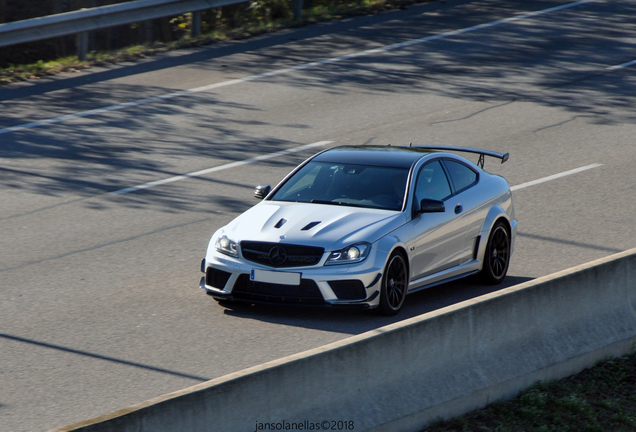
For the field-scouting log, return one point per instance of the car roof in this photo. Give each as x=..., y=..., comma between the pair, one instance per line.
x=385, y=156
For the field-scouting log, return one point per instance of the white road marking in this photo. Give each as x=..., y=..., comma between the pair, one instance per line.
x=621, y=66
x=219, y=168
x=287, y=70
x=305, y=147
x=555, y=176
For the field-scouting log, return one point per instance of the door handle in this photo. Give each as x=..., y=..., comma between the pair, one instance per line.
x=458, y=209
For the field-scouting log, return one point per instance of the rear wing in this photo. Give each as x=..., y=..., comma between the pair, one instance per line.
x=482, y=153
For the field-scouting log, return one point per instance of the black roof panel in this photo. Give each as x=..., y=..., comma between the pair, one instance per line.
x=386, y=156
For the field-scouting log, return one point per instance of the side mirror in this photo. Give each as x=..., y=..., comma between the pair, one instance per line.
x=431, y=206
x=261, y=192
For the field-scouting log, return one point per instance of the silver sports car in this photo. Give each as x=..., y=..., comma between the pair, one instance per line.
x=364, y=226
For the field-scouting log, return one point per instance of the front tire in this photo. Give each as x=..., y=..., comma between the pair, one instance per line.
x=394, y=285
x=497, y=255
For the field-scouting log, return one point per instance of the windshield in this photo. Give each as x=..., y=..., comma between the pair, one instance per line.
x=346, y=184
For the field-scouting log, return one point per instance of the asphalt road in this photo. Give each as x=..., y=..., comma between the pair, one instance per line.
x=99, y=305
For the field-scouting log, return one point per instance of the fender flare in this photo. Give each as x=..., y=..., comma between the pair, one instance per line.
x=495, y=214
x=389, y=244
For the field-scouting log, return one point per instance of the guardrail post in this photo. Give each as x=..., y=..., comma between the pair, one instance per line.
x=298, y=9
x=148, y=31
x=82, y=45
x=3, y=10
x=195, y=30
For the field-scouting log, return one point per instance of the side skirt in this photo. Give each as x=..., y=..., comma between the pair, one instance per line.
x=449, y=275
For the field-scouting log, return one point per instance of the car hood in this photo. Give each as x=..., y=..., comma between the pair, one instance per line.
x=337, y=227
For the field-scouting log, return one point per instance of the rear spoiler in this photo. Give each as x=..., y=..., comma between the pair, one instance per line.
x=482, y=153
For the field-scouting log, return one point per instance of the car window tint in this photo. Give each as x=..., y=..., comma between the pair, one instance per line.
x=307, y=179
x=346, y=184
x=432, y=183
x=312, y=179
x=461, y=175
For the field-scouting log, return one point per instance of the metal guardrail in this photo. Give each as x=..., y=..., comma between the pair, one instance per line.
x=83, y=21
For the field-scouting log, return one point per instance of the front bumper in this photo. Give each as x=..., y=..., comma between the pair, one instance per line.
x=356, y=285
x=220, y=295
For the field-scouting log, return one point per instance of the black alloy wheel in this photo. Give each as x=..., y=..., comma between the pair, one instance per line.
x=394, y=285
x=497, y=256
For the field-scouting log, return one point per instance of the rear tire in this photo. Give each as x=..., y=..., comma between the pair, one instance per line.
x=394, y=285
x=497, y=255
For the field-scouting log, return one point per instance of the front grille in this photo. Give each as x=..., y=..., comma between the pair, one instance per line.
x=305, y=293
x=216, y=278
x=348, y=289
x=281, y=255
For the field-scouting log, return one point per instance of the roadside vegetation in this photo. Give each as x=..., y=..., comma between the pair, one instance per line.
x=232, y=22
x=602, y=398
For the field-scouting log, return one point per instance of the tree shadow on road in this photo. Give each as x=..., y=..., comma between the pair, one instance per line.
x=554, y=61
x=108, y=152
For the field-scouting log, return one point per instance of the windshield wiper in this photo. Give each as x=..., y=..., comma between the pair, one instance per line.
x=315, y=201
x=339, y=203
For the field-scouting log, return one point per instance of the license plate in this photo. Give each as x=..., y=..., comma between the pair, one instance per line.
x=283, y=278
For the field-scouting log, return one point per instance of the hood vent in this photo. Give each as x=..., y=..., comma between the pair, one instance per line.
x=310, y=226
x=280, y=223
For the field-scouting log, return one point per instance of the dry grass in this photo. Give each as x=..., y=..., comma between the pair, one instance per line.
x=602, y=398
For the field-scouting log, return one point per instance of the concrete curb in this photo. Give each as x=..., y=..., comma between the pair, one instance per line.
x=405, y=375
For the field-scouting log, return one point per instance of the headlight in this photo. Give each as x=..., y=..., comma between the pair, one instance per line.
x=349, y=255
x=227, y=246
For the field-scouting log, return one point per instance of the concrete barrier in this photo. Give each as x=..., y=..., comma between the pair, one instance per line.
x=403, y=376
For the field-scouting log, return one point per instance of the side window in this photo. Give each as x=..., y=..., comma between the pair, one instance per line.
x=432, y=183
x=462, y=176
